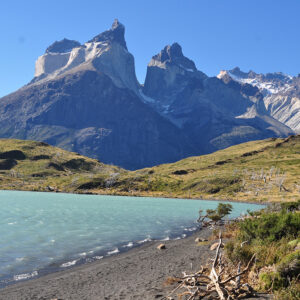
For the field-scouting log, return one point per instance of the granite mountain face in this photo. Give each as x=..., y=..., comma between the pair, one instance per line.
x=213, y=113
x=86, y=98
x=280, y=93
x=106, y=53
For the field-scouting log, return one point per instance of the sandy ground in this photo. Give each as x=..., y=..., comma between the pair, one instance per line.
x=136, y=274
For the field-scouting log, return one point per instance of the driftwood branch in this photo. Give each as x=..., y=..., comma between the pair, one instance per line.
x=240, y=273
x=217, y=283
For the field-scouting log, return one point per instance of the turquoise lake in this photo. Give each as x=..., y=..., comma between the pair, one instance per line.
x=44, y=232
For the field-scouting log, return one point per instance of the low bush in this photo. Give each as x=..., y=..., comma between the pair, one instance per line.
x=289, y=266
x=237, y=253
x=272, y=281
x=271, y=227
x=290, y=206
x=291, y=293
x=273, y=237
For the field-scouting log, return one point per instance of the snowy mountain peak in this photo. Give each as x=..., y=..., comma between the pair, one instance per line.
x=270, y=83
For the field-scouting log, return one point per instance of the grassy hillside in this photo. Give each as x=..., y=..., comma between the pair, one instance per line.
x=267, y=170
x=37, y=166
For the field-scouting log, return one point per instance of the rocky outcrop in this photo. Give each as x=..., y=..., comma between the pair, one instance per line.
x=62, y=46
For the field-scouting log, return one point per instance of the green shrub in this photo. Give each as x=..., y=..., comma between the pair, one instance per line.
x=290, y=293
x=269, y=254
x=271, y=226
x=254, y=213
x=236, y=253
x=272, y=236
x=294, y=243
x=290, y=206
x=289, y=266
x=272, y=281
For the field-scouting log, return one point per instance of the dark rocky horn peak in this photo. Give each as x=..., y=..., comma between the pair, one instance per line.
x=116, y=24
x=174, y=51
x=62, y=46
x=173, y=54
x=170, y=52
x=115, y=34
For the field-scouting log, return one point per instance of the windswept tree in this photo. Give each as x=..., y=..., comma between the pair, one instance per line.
x=215, y=215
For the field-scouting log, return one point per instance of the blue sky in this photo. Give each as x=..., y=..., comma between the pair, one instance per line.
x=262, y=35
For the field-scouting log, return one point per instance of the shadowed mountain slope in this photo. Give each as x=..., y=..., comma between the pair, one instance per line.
x=85, y=112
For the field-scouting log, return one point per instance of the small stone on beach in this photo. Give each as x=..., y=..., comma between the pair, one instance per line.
x=199, y=240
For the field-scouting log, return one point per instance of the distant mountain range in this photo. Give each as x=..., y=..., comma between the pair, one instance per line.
x=280, y=93
x=86, y=98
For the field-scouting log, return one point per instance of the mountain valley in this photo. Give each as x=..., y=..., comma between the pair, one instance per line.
x=86, y=98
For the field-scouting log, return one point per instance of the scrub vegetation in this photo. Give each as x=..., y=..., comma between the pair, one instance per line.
x=273, y=236
x=258, y=171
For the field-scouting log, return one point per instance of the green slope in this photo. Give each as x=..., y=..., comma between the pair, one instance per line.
x=267, y=170
x=36, y=166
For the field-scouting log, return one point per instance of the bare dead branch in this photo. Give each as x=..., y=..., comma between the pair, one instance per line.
x=240, y=273
x=217, y=283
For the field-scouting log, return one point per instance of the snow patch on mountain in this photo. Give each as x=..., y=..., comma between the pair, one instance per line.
x=267, y=87
x=145, y=98
x=281, y=94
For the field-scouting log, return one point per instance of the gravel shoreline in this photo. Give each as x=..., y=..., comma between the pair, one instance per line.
x=136, y=274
